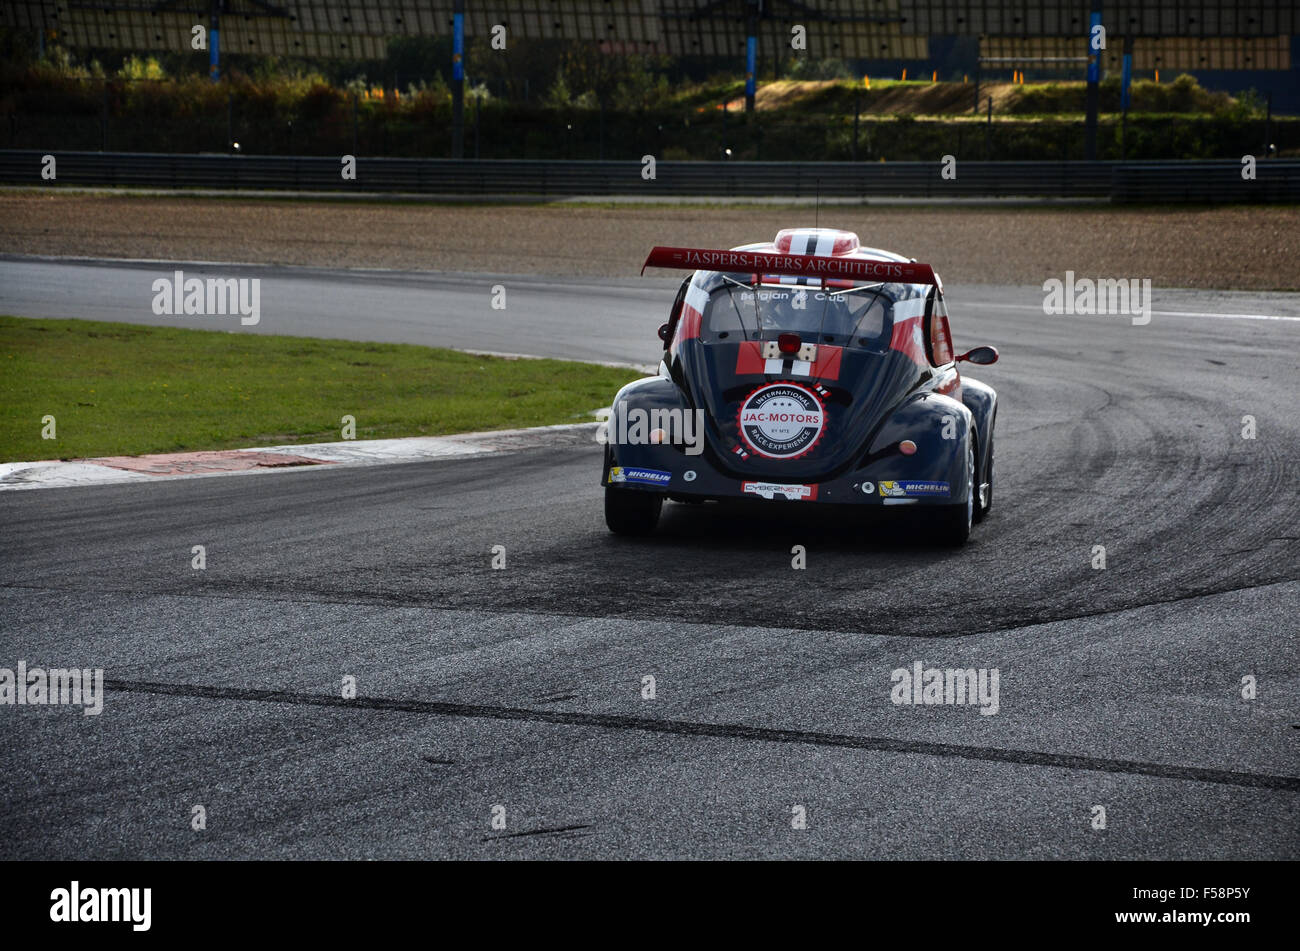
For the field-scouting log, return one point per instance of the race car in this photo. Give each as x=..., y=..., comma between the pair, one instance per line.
x=811, y=370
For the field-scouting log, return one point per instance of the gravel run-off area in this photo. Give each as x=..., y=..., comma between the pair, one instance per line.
x=1233, y=247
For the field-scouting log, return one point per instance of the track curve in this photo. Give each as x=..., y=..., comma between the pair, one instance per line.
x=1109, y=434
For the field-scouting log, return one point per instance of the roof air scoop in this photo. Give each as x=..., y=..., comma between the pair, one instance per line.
x=819, y=241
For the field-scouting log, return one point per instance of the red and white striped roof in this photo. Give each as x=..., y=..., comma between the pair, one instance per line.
x=819, y=241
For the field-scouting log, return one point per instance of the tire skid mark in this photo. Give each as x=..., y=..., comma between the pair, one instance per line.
x=380, y=600
x=732, y=731
x=562, y=832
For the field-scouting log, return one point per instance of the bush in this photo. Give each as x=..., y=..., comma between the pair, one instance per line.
x=137, y=68
x=805, y=67
x=56, y=104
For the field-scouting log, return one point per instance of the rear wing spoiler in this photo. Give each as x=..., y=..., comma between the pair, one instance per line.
x=790, y=265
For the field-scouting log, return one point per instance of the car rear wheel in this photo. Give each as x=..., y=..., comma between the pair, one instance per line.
x=632, y=512
x=953, y=522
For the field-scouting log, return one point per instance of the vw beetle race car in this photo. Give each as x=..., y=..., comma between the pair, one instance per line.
x=808, y=370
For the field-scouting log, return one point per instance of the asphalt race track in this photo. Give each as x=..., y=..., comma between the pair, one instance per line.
x=522, y=687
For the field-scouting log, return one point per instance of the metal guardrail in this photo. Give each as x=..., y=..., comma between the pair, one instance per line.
x=1217, y=180
x=1221, y=181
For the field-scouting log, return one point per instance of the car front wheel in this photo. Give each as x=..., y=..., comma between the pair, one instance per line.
x=984, y=501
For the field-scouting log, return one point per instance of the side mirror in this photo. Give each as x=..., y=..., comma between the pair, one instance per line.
x=980, y=355
x=663, y=333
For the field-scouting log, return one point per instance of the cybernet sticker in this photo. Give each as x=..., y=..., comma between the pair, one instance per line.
x=642, y=476
x=770, y=490
x=912, y=488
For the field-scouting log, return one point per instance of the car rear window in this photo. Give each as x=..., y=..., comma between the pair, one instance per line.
x=861, y=317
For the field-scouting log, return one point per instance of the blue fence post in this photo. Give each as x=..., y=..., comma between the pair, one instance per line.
x=1124, y=96
x=214, y=48
x=1094, y=78
x=751, y=66
x=458, y=80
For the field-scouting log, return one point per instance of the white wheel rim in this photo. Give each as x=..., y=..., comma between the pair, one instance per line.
x=970, y=482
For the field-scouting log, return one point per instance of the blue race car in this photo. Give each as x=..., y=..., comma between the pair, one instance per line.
x=807, y=370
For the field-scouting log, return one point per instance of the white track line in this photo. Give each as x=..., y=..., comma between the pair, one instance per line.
x=1154, y=313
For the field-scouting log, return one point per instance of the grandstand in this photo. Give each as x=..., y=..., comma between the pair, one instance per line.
x=1171, y=34
x=1238, y=35
x=1230, y=45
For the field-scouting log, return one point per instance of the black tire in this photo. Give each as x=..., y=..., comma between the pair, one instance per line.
x=952, y=523
x=632, y=512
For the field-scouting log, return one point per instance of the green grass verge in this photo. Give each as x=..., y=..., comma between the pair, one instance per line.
x=123, y=389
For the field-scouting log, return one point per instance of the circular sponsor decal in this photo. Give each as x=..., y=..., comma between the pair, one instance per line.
x=868, y=487
x=782, y=420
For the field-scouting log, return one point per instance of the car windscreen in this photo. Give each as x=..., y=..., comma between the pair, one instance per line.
x=860, y=317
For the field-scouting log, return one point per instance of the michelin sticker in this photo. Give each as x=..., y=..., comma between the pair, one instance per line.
x=642, y=476
x=770, y=490
x=910, y=488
